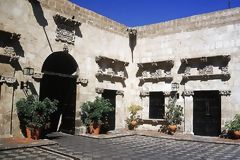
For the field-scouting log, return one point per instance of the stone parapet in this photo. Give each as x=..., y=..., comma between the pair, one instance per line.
x=85, y=16
x=210, y=20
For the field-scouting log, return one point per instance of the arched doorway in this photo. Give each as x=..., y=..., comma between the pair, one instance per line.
x=59, y=82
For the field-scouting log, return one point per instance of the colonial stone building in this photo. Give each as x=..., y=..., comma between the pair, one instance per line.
x=59, y=50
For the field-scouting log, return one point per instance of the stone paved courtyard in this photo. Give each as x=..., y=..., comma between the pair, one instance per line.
x=124, y=148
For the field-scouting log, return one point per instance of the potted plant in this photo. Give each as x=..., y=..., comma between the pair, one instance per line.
x=34, y=114
x=233, y=127
x=173, y=116
x=133, y=120
x=94, y=112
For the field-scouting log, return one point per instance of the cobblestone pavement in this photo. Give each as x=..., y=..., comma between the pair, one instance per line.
x=133, y=147
x=143, y=148
x=36, y=153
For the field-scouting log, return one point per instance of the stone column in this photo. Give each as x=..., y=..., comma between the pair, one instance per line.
x=226, y=112
x=78, y=114
x=145, y=104
x=167, y=94
x=120, y=116
x=188, y=112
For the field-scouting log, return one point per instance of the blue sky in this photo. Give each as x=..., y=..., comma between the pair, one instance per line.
x=141, y=12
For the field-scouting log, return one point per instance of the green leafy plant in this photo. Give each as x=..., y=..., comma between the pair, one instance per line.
x=95, y=111
x=34, y=113
x=173, y=116
x=234, y=124
x=133, y=109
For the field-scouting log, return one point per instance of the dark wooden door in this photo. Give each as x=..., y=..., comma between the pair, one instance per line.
x=62, y=89
x=207, y=113
x=156, y=105
x=110, y=117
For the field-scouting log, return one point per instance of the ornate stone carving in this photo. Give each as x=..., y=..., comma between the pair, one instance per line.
x=110, y=71
x=225, y=70
x=65, y=35
x=7, y=79
x=207, y=70
x=82, y=81
x=99, y=90
x=159, y=72
x=120, y=92
x=65, y=48
x=132, y=31
x=144, y=93
x=9, y=51
x=121, y=73
x=187, y=71
x=37, y=76
x=167, y=93
x=65, y=29
x=225, y=92
x=145, y=74
x=188, y=93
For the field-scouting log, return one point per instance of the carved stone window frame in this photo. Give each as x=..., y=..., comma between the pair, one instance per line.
x=159, y=74
x=111, y=72
x=206, y=67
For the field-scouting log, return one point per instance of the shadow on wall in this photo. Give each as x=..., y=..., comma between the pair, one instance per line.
x=38, y=13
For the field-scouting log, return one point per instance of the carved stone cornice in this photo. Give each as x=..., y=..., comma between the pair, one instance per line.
x=225, y=92
x=144, y=93
x=120, y=92
x=188, y=93
x=7, y=79
x=99, y=90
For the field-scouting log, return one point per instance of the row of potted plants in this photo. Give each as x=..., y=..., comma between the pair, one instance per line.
x=34, y=116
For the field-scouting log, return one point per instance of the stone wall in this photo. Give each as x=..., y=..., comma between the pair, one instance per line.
x=207, y=35
x=98, y=36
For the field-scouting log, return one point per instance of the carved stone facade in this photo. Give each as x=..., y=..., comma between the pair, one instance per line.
x=225, y=92
x=65, y=29
x=101, y=50
x=188, y=93
x=7, y=79
x=99, y=90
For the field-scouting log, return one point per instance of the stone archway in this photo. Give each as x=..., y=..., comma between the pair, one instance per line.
x=59, y=82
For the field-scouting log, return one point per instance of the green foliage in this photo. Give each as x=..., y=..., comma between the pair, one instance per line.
x=34, y=113
x=173, y=116
x=233, y=125
x=174, y=112
x=96, y=110
x=133, y=109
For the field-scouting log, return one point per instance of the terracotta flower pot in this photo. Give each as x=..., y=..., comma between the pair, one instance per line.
x=28, y=133
x=134, y=123
x=236, y=134
x=172, y=128
x=95, y=128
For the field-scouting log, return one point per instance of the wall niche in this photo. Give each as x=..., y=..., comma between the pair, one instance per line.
x=111, y=69
x=205, y=68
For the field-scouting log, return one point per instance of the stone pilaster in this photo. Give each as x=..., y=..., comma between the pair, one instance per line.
x=188, y=112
